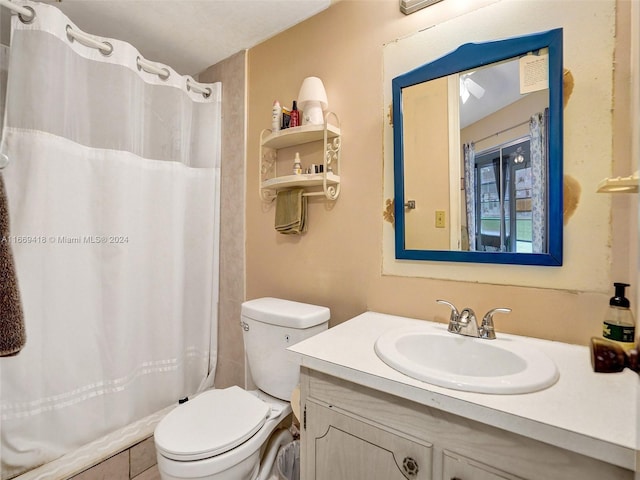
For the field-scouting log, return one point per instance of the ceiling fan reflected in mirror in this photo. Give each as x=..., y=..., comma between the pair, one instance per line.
x=470, y=87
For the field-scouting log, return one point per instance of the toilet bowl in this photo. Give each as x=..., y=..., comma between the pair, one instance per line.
x=222, y=434
x=217, y=435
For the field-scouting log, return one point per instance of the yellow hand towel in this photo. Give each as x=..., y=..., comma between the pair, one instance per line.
x=291, y=212
x=12, y=331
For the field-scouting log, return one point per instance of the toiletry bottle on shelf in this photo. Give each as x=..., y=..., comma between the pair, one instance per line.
x=295, y=115
x=619, y=325
x=286, y=118
x=297, y=167
x=276, y=116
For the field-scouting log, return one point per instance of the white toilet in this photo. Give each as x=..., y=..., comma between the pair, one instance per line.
x=220, y=434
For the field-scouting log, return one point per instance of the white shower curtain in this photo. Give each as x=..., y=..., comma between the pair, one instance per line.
x=113, y=186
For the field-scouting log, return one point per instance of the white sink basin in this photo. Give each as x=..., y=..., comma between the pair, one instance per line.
x=502, y=366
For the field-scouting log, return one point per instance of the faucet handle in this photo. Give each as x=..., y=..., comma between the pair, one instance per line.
x=454, y=310
x=453, y=319
x=486, y=329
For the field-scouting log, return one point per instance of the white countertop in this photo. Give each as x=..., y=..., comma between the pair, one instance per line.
x=589, y=413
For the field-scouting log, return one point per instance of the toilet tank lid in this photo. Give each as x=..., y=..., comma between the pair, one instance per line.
x=285, y=313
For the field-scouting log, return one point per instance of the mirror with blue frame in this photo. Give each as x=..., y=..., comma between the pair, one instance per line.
x=478, y=154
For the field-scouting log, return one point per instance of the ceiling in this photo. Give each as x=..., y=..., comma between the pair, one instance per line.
x=500, y=86
x=188, y=35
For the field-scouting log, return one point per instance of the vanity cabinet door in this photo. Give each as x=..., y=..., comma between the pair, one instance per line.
x=341, y=447
x=456, y=467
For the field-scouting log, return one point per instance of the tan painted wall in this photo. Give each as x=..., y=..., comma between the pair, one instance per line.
x=338, y=263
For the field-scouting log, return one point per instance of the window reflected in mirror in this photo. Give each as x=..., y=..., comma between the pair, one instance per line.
x=502, y=203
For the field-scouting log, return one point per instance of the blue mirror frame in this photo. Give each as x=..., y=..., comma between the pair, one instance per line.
x=466, y=57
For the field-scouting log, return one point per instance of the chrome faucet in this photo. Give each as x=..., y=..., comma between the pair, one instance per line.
x=465, y=322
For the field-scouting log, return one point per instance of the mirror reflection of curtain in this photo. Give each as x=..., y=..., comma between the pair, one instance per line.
x=538, y=128
x=469, y=191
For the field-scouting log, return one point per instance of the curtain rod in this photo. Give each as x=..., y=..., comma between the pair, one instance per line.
x=28, y=14
x=501, y=131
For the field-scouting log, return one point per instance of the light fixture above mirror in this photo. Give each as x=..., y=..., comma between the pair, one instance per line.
x=410, y=6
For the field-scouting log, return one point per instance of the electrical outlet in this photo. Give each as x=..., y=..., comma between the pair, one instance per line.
x=440, y=219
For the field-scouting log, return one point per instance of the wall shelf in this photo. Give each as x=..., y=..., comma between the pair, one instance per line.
x=304, y=180
x=290, y=137
x=326, y=183
x=619, y=184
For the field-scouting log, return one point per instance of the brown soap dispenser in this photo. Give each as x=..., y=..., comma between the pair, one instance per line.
x=619, y=325
x=610, y=357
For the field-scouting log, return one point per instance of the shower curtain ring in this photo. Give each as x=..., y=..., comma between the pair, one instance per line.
x=107, y=50
x=205, y=92
x=29, y=19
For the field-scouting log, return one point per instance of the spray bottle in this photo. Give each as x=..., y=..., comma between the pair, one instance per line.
x=276, y=116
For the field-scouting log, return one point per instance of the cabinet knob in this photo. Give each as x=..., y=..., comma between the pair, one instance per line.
x=410, y=466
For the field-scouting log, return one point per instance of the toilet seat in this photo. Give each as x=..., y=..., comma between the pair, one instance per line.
x=214, y=422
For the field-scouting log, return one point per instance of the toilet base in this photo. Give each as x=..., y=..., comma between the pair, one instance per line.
x=246, y=470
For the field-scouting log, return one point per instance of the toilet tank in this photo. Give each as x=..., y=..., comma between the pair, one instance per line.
x=270, y=326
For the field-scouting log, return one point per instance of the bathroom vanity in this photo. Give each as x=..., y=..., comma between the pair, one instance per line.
x=362, y=419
